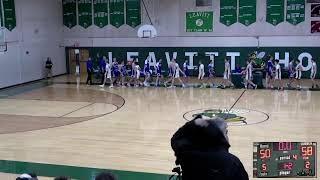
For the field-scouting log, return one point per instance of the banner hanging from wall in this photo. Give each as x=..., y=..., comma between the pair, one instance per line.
x=1, y=16
x=85, y=13
x=275, y=12
x=133, y=13
x=199, y=21
x=315, y=10
x=247, y=12
x=100, y=9
x=228, y=12
x=9, y=14
x=69, y=8
x=116, y=8
x=295, y=11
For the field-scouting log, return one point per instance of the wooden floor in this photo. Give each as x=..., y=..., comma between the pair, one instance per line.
x=130, y=128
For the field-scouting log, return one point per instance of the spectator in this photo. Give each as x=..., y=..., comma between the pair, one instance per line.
x=238, y=69
x=201, y=148
x=105, y=176
x=49, y=67
x=62, y=178
x=89, y=71
x=29, y=176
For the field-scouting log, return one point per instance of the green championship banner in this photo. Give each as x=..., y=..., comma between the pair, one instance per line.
x=100, y=9
x=9, y=14
x=116, y=8
x=85, y=13
x=275, y=11
x=228, y=12
x=199, y=21
x=295, y=11
x=69, y=8
x=247, y=12
x=133, y=13
x=1, y=17
x=237, y=55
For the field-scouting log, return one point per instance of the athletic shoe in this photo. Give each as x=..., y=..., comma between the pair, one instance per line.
x=183, y=86
x=256, y=86
x=111, y=86
x=101, y=86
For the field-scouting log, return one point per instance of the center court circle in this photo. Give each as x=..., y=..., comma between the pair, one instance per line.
x=234, y=117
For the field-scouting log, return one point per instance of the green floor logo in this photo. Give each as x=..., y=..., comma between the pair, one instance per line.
x=199, y=21
x=234, y=117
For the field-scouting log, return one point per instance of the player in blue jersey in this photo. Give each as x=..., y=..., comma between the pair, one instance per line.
x=159, y=72
x=292, y=72
x=147, y=72
x=123, y=73
x=270, y=72
x=116, y=71
x=211, y=73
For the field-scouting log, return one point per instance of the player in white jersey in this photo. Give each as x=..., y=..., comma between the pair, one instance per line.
x=186, y=71
x=249, y=76
x=227, y=73
x=170, y=70
x=107, y=75
x=277, y=78
x=137, y=73
x=176, y=74
x=147, y=72
x=298, y=73
x=201, y=74
x=314, y=73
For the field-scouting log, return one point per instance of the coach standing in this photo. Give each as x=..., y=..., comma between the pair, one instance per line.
x=89, y=71
x=49, y=68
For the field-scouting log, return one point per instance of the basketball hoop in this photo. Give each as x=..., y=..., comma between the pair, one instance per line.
x=147, y=31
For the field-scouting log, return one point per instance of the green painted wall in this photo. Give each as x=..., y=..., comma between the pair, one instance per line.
x=238, y=55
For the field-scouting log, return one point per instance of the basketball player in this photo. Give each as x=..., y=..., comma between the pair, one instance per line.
x=123, y=73
x=159, y=72
x=277, y=78
x=171, y=67
x=292, y=73
x=211, y=73
x=137, y=73
x=249, y=76
x=186, y=71
x=298, y=73
x=270, y=72
x=227, y=72
x=314, y=73
x=116, y=71
x=201, y=74
x=107, y=75
x=147, y=72
x=176, y=74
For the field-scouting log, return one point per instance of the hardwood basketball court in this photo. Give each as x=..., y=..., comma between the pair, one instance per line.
x=60, y=124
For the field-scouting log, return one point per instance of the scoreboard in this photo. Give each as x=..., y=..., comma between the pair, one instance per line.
x=284, y=159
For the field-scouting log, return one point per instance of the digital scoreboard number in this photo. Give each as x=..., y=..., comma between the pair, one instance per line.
x=284, y=159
